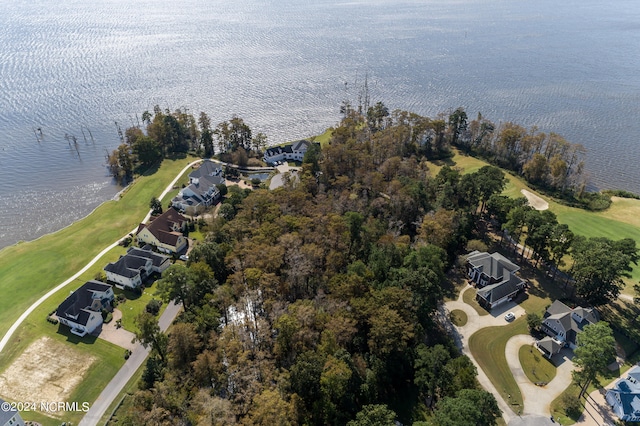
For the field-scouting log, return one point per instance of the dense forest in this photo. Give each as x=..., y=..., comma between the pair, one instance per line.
x=317, y=303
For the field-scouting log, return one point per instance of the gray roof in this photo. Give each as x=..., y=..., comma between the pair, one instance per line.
x=156, y=258
x=494, y=292
x=494, y=264
x=207, y=168
x=561, y=313
x=127, y=266
x=79, y=302
x=550, y=345
x=6, y=415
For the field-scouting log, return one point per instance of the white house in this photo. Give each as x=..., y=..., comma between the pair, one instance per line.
x=82, y=310
x=202, y=190
x=164, y=232
x=9, y=416
x=563, y=324
x=624, y=397
x=290, y=152
x=133, y=268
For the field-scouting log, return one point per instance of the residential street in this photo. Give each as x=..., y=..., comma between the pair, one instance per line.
x=118, y=382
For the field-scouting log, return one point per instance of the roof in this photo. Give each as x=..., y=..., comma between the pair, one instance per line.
x=494, y=292
x=301, y=145
x=207, y=168
x=127, y=266
x=165, y=226
x=494, y=264
x=6, y=413
x=561, y=313
x=549, y=345
x=76, y=306
x=157, y=259
x=628, y=390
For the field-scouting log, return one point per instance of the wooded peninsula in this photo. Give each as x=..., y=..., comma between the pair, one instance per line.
x=320, y=302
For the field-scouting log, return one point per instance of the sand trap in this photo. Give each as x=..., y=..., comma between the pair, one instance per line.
x=47, y=370
x=535, y=201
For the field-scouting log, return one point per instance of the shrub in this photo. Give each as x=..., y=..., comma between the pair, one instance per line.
x=153, y=307
x=108, y=318
x=255, y=182
x=127, y=353
x=571, y=405
x=52, y=320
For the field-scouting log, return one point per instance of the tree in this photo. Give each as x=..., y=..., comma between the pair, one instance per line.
x=596, y=348
x=147, y=150
x=149, y=334
x=534, y=321
x=156, y=206
x=599, y=264
x=471, y=407
x=431, y=377
x=374, y=415
x=457, y=124
x=376, y=115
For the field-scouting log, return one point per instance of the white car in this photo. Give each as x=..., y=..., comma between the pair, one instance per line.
x=184, y=257
x=510, y=316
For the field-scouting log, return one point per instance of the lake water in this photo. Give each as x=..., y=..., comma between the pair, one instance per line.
x=75, y=68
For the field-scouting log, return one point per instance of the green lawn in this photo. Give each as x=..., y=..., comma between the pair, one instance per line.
x=29, y=270
x=458, y=317
x=621, y=220
x=535, y=366
x=469, y=297
x=488, y=348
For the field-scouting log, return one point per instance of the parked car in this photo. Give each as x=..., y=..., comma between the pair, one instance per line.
x=510, y=316
x=184, y=257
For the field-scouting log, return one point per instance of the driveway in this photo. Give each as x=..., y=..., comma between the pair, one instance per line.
x=115, y=335
x=537, y=399
x=474, y=323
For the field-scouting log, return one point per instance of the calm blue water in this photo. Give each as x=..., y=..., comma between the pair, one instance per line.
x=71, y=66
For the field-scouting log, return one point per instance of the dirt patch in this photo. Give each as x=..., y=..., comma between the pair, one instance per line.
x=46, y=371
x=535, y=201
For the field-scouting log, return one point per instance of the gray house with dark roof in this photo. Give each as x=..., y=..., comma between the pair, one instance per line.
x=82, y=310
x=134, y=267
x=624, y=397
x=9, y=416
x=495, y=277
x=563, y=324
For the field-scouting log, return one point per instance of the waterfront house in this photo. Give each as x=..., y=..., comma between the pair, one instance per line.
x=624, y=397
x=165, y=232
x=290, y=152
x=563, y=324
x=8, y=415
x=495, y=277
x=202, y=190
x=137, y=265
x=82, y=310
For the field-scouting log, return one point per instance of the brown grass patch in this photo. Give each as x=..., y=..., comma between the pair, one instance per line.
x=47, y=371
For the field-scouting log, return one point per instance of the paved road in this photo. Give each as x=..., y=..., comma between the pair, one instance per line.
x=474, y=323
x=118, y=382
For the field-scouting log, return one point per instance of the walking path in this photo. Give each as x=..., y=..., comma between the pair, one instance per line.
x=138, y=356
x=40, y=301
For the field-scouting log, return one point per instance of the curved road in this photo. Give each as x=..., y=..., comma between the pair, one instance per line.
x=536, y=399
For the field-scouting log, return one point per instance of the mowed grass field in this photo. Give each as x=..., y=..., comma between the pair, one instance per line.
x=621, y=220
x=29, y=270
